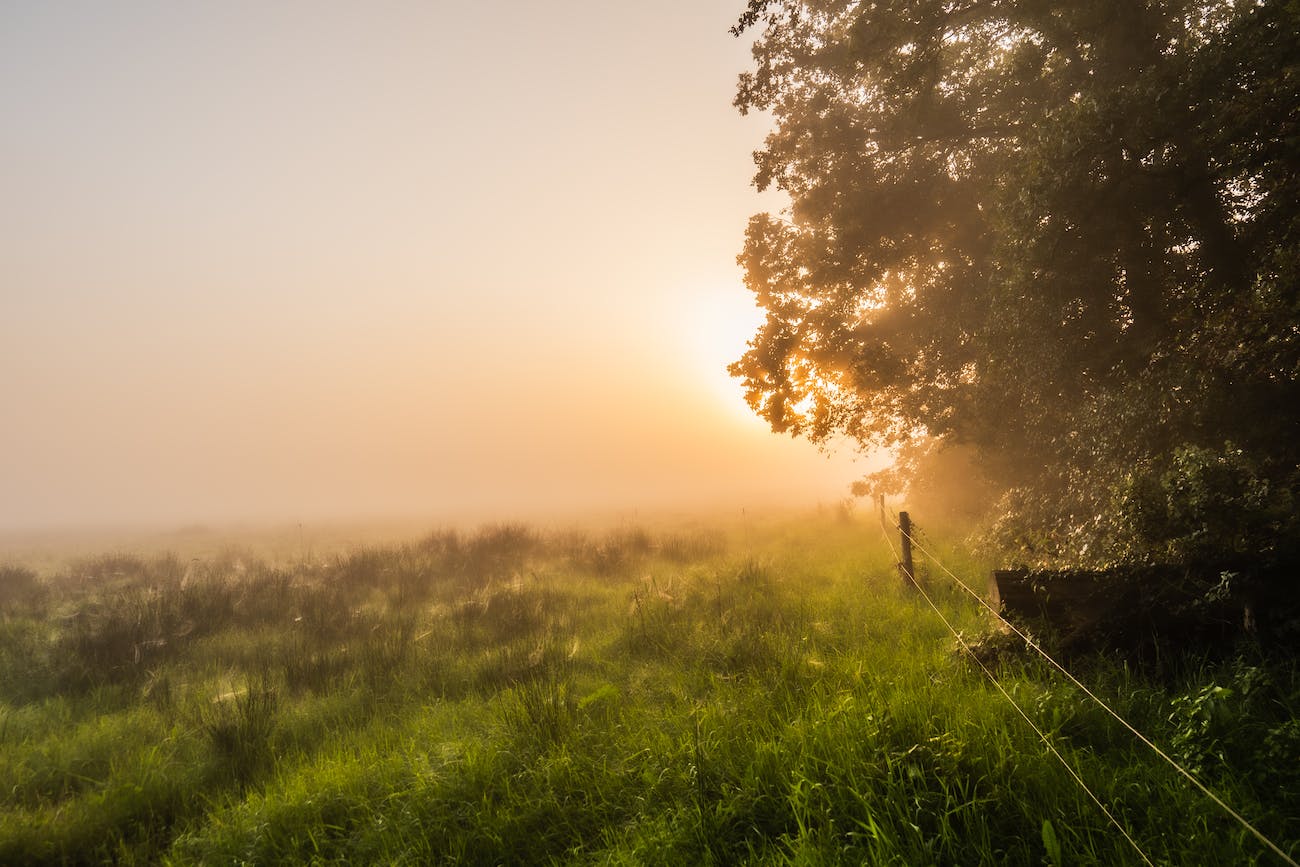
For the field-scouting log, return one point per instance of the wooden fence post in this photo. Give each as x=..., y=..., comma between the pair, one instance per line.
x=905, y=528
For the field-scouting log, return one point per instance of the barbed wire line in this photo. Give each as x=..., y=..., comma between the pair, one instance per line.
x=1010, y=700
x=1033, y=645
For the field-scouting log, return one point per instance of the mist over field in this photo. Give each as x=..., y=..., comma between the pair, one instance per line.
x=764, y=431
x=296, y=263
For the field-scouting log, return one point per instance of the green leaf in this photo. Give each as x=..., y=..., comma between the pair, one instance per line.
x=1051, y=844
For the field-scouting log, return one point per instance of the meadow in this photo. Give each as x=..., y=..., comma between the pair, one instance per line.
x=757, y=692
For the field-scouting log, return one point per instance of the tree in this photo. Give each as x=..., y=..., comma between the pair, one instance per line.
x=1064, y=235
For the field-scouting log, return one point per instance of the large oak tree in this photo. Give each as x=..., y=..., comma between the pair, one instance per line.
x=1064, y=235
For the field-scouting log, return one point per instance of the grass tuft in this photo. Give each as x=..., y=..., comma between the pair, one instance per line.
x=239, y=725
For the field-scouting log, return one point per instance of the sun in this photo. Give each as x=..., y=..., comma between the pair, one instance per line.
x=722, y=320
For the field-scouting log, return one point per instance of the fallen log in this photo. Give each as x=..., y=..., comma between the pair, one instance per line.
x=1133, y=610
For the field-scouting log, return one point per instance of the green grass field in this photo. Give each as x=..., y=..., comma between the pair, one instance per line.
x=766, y=693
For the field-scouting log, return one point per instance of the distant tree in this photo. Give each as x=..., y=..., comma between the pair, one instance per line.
x=1064, y=235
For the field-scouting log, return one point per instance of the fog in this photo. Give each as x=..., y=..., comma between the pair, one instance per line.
x=302, y=263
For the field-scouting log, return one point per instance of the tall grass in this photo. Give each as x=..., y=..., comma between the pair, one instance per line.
x=767, y=695
x=239, y=725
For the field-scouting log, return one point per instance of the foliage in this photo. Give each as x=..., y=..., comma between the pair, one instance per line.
x=1227, y=722
x=1209, y=505
x=1066, y=235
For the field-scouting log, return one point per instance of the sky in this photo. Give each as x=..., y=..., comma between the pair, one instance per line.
x=307, y=260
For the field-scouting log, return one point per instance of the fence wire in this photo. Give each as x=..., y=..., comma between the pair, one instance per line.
x=1041, y=734
x=1029, y=642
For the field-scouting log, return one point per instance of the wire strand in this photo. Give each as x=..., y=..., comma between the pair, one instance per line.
x=1277, y=850
x=1041, y=734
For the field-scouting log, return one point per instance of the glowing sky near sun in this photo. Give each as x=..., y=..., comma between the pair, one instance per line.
x=307, y=259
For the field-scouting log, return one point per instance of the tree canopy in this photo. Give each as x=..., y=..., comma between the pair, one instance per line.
x=1063, y=235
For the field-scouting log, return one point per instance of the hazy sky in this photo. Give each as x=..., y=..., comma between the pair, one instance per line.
x=291, y=260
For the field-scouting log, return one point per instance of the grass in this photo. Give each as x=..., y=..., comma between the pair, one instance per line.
x=768, y=694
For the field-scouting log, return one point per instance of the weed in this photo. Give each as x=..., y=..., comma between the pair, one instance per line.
x=497, y=552
x=20, y=588
x=239, y=725
x=306, y=667
x=384, y=651
x=692, y=547
x=541, y=708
